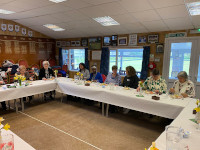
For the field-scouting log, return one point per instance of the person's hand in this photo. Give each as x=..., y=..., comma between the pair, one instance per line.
x=184, y=95
x=44, y=79
x=1, y=82
x=138, y=89
x=156, y=91
x=172, y=90
x=31, y=78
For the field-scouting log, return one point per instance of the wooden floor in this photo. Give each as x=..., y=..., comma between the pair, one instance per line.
x=73, y=125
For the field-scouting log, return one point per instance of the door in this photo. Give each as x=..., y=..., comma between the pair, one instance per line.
x=182, y=54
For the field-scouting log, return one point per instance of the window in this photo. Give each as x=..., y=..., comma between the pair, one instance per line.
x=179, y=58
x=126, y=57
x=73, y=57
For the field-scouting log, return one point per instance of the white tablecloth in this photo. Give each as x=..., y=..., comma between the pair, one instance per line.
x=19, y=144
x=183, y=121
x=165, y=107
x=37, y=87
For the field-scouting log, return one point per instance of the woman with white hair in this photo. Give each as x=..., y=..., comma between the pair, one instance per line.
x=183, y=86
x=46, y=72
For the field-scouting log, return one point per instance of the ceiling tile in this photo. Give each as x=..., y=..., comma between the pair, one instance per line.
x=196, y=21
x=156, y=26
x=165, y=3
x=179, y=23
x=149, y=15
x=173, y=12
x=135, y=5
x=97, y=2
x=135, y=28
x=124, y=18
x=76, y=4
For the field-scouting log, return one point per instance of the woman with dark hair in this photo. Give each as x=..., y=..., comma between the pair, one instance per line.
x=131, y=79
x=155, y=82
x=84, y=71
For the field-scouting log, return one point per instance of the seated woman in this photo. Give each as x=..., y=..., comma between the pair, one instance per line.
x=84, y=71
x=183, y=86
x=113, y=77
x=44, y=74
x=95, y=76
x=22, y=71
x=155, y=82
x=131, y=79
x=3, y=104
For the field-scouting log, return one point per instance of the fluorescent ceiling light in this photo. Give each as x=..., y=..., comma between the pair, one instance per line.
x=53, y=27
x=7, y=12
x=194, y=8
x=106, y=21
x=57, y=1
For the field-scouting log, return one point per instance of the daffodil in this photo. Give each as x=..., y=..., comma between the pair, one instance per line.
x=78, y=73
x=1, y=119
x=6, y=127
x=197, y=109
x=197, y=102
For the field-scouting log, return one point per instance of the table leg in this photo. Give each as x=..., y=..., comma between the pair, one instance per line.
x=102, y=109
x=9, y=105
x=16, y=106
x=22, y=103
x=107, y=109
x=62, y=97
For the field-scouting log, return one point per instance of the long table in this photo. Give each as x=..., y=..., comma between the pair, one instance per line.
x=165, y=107
x=36, y=87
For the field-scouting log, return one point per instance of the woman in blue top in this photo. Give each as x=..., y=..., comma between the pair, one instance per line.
x=95, y=76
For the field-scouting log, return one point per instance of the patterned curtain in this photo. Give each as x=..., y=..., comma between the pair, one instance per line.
x=104, y=67
x=86, y=59
x=60, y=57
x=145, y=62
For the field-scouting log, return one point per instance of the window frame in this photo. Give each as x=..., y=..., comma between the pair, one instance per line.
x=116, y=49
x=69, y=53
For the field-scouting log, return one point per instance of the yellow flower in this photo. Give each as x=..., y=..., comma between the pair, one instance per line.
x=197, y=109
x=81, y=74
x=7, y=127
x=1, y=119
x=78, y=73
x=197, y=102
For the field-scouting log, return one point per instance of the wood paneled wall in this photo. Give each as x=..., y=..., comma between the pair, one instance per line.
x=162, y=36
x=15, y=46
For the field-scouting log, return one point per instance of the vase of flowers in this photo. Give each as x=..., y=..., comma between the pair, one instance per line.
x=80, y=77
x=6, y=140
x=56, y=73
x=141, y=86
x=20, y=79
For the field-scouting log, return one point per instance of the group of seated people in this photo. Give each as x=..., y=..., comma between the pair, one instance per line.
x=154, y=83
x=183, y=86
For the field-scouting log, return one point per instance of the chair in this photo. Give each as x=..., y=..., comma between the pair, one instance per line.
x=10, y=78
x=35, y=66
x=52, y=62
x=41, y=63
x=65, y=68
x=23, y=62
x=104, y=77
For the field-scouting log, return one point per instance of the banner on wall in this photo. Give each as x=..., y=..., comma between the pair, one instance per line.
x=16, y=28
x=10, y=27
x=30, y=33
x=23, y=31
x=3, y=27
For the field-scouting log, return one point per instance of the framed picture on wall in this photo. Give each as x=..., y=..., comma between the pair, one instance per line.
x=142, y=39
x=68, y=43
x=84, y=42
x=160, y=48
x=114, y=40
x=63, y=43
x=122, y=41
x=73, y=43
x=133, y=39
x=153, y=38
x=94, y=43
x=58, y=43
x=78, y=43
x=106, y=41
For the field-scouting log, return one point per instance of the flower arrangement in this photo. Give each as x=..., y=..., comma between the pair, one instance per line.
x=7, y=141
x=56, y=73
x=79, y=74
x=20, y=78
x=140, y=84
x=197, y=109
x=153, y=147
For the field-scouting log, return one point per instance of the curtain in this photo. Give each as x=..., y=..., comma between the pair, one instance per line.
x=60, y=57
x=104, y=67
x=145, y=62
x=86, y=59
